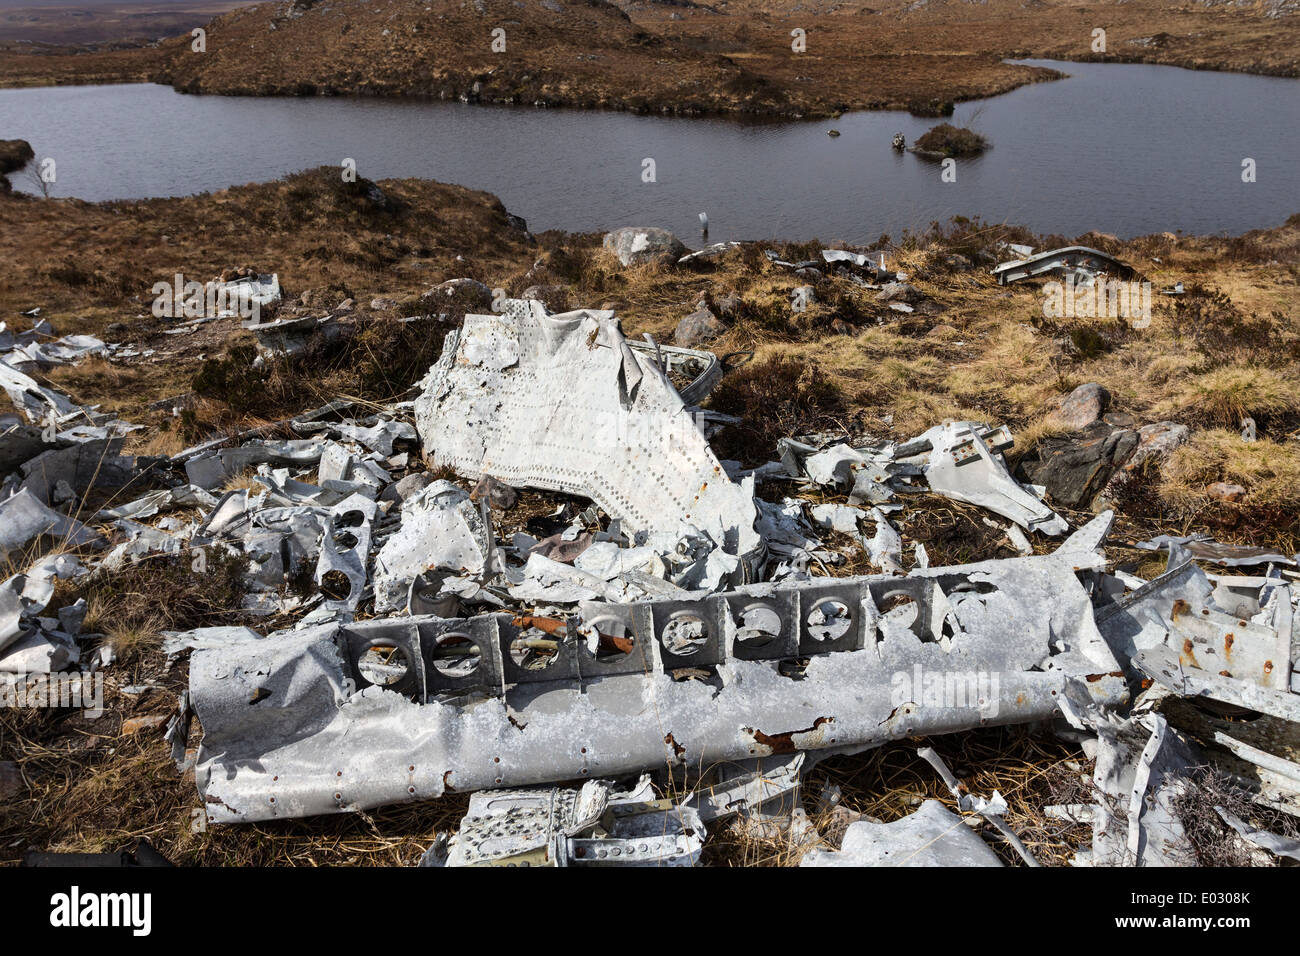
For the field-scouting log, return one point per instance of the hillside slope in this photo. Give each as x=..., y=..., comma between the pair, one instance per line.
x=587, y=54
x=774, y=57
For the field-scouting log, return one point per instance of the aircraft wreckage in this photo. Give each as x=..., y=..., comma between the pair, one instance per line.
x=687, y=635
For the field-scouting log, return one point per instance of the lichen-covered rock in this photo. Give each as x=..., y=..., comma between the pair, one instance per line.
x=637, y=245
x=468, y=293
x=899, y=292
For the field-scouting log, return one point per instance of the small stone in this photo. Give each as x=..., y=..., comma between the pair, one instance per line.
x=728, y=305
x=1226, y=491
x=898, y=292
x=62, y=494
x=469, y=293
x=698, y=328
x=1085, y=405
x=554, y=297
x=500, y=496
x=1159, y=439
x=636, y=245
x=1119, y=419
x=134, y=725
x=407, y=487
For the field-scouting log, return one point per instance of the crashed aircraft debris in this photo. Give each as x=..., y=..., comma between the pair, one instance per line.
x=598, y=695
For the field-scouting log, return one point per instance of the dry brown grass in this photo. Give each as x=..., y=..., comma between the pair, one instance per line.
x=1030, y=769
x=1225, y=396
x=987, y=356
x=92, y=788
x=1029, y=436
x=1269, y=471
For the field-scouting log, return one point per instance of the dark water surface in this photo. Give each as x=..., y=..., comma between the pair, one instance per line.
x=1125, y=149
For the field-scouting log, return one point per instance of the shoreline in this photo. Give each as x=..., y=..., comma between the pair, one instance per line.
x=740, y=115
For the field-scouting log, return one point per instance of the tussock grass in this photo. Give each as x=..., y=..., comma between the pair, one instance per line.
x=1224, y=396
x=776, y=397
x=1028, y=437
x=1268, y=470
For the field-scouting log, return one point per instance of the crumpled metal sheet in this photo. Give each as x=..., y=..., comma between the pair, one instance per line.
x=19, y=443
x=23, y=518
x=141, y=540
x=42, y=405
x=1067, y=259
x=1171, y=630
x=959, y=460
x=706, y=367
x=90, y=463
x=260, y=293
x=211, y=468
x=563, y=403
x=766, y=787
x=68, y=350
x=931, y=836
x=1143, y=765
x=594, y=826
x=186, y=496
x=992, y=809
x=1201, y=547
x=1162, y=664
x=886, y=546
x=441, y=529
x=1273, y=842
x=964, y=465
x=33, y=399
x=29, y=643
x=293, y=728
x=345, y=549
x=1137, y=619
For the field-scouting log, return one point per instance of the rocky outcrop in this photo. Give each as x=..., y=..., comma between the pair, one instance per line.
x=899, y=292
x=1075, y=469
